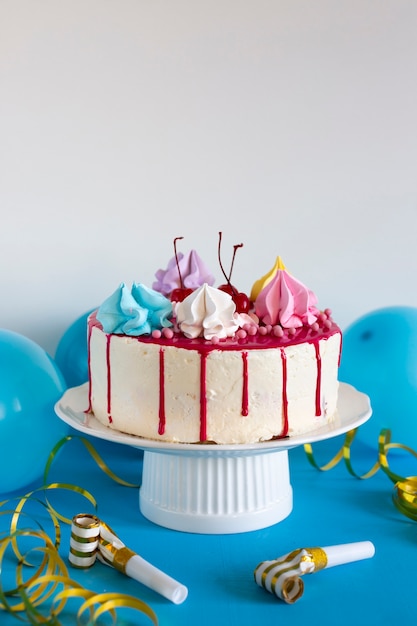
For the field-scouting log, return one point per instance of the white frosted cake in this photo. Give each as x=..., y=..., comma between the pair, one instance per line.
x=188, y=362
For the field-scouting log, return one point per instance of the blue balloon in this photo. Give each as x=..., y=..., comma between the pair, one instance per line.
x=379, y=357
x=30, y=385
x=71, y=354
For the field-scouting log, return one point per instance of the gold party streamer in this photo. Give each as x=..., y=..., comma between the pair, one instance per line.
x=344, y=453
x=15, y=533
x=54, y=515
x=405, y=488
x=50, y=563
x=110, y=601
x=49, y=582
x=347, y=447
x=405, y=497
x=93, y=453
x=74, y=488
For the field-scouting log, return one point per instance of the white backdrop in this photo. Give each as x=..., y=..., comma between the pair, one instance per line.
x=290, y=125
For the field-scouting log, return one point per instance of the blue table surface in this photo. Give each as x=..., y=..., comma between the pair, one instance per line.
x=329, y=508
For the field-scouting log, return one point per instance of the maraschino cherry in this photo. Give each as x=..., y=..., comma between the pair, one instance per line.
x=180, y=293
x=240, y=299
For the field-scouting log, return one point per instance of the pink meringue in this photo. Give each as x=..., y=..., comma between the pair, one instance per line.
x=286, y=301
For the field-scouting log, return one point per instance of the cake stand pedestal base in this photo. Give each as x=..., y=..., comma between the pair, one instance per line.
x=210, y=488
x=216, y=493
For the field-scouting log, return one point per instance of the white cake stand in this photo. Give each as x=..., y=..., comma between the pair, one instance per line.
x=215, y=489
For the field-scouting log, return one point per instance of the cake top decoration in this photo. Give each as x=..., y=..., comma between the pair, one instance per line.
x=184, y=301
x=285, y=300
x=209, y=312
x=136, y=311
x=184, y=273
x=262, y=282
x=240, y=299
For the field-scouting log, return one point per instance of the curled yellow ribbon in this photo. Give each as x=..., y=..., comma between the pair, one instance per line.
x=93, y=453
x=405, y=488
x=40, y=596
x=44, y=595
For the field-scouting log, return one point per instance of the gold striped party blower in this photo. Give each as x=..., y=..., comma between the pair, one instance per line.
x=91, y=538
x=281, y=576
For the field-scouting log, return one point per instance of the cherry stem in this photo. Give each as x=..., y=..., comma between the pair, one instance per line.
x=177, y=262
x=221, y=265
x=235, y=247
x=220, y=258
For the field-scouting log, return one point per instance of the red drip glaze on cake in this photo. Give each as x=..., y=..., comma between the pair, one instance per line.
x=203, y=396
x=161, y=427
x=257, y=341
x=90, y=330
x=318, y=383
x=108, y=340
x=284, y=431
x=245, y=390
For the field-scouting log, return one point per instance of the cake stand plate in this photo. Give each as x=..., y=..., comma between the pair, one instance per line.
x=209, y=488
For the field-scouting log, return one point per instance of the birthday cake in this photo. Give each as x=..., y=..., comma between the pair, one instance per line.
x=187, y=362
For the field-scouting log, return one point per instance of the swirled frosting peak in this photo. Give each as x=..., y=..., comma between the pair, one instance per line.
x=136, y=311
x=208, y=312
x=194, y=273
x=259, y=284
x=286, y=301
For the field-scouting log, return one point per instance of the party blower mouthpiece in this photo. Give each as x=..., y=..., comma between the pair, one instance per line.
x=281, y=576
x=91, y=538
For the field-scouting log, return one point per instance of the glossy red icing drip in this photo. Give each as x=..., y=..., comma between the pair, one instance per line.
x=90, y=330
x=161, y=427
x=203, y=396
x=284, y=432
x=318, y=383
x=245, y=394
x=108, y=338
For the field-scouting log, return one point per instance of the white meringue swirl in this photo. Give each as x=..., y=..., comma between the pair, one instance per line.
x=207, y=312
